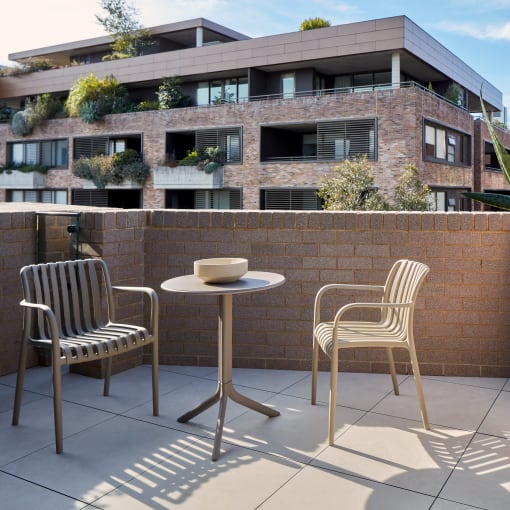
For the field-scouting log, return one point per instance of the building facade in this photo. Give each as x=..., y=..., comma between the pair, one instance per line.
x=282, y=111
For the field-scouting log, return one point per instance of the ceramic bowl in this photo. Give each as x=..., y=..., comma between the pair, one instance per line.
x=220, y=270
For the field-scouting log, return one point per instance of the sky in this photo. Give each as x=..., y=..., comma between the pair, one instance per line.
x=477, y=31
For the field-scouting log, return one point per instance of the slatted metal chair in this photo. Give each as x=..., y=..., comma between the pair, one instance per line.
x=394, y=329
x=68, y=307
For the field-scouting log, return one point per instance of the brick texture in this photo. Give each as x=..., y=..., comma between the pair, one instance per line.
x=462, y=317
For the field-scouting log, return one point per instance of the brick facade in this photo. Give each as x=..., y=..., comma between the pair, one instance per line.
x=462, y=316
x=399, y=112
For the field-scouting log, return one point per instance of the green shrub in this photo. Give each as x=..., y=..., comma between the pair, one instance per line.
x=311, y=23
x=410, y=194
x=103, y=170
x=170, y=94
x=23, y=167
x=192, y=158
x=144, y=106
x=20, y=124
x=90, y=98
x=351, y=188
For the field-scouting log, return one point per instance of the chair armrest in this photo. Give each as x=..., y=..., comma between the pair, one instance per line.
x=48, y=315
x=375, y=306
x=339, y=286
x=154, y=303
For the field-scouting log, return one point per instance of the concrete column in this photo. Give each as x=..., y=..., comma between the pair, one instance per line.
x=200, y=36
x=395, y=68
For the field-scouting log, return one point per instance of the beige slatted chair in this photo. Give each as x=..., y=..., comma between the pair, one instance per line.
x=68, y=308
x=393, y=330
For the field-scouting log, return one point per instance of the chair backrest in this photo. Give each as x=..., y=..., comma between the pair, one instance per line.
x=78, y=291
x=402, y=285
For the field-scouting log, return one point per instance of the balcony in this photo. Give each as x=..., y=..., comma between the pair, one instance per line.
x=14, y=179
x=186, y=177
x=117, y=455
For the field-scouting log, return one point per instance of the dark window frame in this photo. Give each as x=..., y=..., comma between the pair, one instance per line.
x=451, y=146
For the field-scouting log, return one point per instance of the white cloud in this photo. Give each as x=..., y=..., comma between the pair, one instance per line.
x=487, y=32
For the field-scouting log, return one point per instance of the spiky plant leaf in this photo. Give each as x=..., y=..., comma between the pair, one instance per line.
x=493, y=199
x=501, y=153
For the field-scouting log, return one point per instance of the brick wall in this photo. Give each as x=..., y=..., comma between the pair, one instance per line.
x=463, y=312
x=399, y=114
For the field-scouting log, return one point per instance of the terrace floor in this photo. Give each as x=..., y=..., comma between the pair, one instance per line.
x=118, y=456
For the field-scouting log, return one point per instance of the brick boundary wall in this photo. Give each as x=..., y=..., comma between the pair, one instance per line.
x=462, y=316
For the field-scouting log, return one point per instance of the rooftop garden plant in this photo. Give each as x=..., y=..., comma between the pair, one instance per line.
x=36, y=111
x=114, y=169
x=91, y=98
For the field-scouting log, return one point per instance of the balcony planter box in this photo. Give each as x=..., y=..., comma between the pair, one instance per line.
x=187, y=177
x=125, y=184
x=14, y=179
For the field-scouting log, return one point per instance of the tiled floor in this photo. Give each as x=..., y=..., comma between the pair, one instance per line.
x=118, y=456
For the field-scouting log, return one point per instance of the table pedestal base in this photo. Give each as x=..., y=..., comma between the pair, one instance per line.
x=223, y=393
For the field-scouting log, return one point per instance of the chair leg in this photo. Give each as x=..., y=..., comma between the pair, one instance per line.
x=332, y=395
x=57, y=406
x=315, y=368
x=20, y=379
x=155, y=379
x=393, y=372
x=107, y=376
x=419, y=389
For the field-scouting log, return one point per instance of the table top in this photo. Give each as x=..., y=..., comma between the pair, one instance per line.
x=252, y=281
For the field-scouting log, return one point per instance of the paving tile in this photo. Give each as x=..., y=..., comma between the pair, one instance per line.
x=359, y=391
x=497, y=421
x=101, y=458
x=318, y=488
x=299, y=433
x=396, y=451
x=19, y=494
x=240, y=480
x=448, y=404
x=482, y=477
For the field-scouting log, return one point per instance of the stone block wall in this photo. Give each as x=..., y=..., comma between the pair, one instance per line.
x=462, y=317
x=463, y=313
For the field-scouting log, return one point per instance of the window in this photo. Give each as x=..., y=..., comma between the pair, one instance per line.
x=299, y=199
x=344, y=139
x=363, y=81
x=51, y=153
x=444, y=144
x=45, y=196
x=230, y=90
x=491, y=161
x=204, y=198
x=288, y=85
x=328, y=140
x=91, y=146
x=448, y=199
x=228, y=139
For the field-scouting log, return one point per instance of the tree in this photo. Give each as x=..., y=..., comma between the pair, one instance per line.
x=410, y=194
x=120, y=22
x=311, y=23
x=351, y=188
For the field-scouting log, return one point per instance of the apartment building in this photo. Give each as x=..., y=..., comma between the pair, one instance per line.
x=283, y=110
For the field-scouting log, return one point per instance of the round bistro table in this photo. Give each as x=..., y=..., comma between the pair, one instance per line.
x=252, y=281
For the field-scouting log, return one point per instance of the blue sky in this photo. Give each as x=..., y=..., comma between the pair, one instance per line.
x=476, y=31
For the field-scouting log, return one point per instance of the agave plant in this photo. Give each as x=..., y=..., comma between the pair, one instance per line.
x=494, y=199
